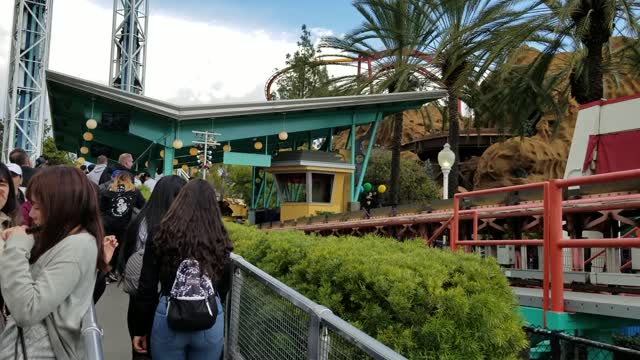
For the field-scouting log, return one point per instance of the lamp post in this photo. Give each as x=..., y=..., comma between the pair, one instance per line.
x=446, y=158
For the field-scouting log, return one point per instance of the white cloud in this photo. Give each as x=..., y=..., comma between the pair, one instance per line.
x=188, y=61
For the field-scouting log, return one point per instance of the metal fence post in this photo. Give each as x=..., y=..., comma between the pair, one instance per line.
x=555, y=251
x=313, y=349
x=556, y=351
x=233, y=315
x=92, y=335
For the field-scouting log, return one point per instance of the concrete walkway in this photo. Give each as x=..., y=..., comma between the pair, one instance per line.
x=112, y=317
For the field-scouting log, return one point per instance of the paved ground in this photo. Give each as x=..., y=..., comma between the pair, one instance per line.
x=112, y=317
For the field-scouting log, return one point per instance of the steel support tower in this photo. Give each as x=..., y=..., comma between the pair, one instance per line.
x=27, y=98
x=129, y=45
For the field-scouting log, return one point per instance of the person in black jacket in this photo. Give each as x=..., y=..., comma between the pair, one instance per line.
x=191, y=229
x=117, y=202
x=125, y=162
x=142, y=229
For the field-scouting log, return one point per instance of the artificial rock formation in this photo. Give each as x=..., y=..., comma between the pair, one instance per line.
x=543, y=156
x=516, y=160
x=416, y=125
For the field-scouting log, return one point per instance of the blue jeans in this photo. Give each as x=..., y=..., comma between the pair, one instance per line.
x=176, y=345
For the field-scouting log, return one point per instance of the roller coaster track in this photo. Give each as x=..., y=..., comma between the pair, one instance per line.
x=359, y=221
x=346, y=61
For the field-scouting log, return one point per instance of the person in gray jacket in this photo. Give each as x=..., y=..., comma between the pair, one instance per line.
x=95, y=174
x=47, y=278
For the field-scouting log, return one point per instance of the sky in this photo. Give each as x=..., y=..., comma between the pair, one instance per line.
x=199, y=51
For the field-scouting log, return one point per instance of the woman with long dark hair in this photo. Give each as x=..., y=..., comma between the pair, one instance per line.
x=191, y=229
x=9, y=207
x=48, y=277
x=142, y=230
x=9, y=216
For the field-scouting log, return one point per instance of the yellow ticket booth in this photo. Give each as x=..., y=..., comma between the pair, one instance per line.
x=311, y=183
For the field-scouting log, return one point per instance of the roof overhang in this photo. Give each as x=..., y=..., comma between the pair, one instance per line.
x=188, y=112
x=154, y=123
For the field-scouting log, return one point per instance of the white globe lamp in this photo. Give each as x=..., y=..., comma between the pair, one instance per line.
x=91, y=124
x=446, y=159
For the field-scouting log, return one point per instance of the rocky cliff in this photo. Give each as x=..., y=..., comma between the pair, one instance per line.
x=542, y=156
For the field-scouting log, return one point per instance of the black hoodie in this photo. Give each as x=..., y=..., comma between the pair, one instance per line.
x=108, y=172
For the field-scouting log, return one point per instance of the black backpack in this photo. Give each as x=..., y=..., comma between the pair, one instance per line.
x=192, y=304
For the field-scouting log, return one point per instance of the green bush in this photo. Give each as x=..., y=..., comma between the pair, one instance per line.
x=145, y=191
x=415, y=184
x=422, y=302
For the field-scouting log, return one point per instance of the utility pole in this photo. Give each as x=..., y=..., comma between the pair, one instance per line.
x=205, y=140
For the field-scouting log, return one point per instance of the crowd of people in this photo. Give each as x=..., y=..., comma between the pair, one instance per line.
x=67, y=232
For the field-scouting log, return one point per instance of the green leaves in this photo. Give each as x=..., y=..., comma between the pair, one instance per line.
x=422, y=302
x=53, y=155
x=415, y=184
x=304, y=77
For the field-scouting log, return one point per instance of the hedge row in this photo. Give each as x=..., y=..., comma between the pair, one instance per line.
x=424, y=303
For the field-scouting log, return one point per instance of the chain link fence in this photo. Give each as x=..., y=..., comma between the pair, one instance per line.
x=550, y=345
x=268, y=320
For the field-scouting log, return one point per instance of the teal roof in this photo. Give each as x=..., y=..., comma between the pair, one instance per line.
x=74, y=100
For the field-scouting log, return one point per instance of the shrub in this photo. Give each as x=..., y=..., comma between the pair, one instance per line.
x=415, y=184
x=145, y=191
x=422, y=302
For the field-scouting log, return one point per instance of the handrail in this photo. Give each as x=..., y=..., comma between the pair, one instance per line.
x=92, y=335
x=556, y=241
x=553, y=208
x=323, y=315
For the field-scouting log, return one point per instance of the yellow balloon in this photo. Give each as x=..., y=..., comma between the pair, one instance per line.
x=87, y=136
x=175, y=162
x=185, y=167
x=382, y=189
x=162, y=153
x=193, y=151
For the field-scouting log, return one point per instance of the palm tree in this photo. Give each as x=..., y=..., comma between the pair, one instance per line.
x=468, y=38
x=393, y=34
x=581, y=31
x=574, y=37
x=420, y=44
x=590, y=24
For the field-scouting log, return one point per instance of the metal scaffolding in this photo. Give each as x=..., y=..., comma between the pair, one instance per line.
x=27, y=100
x=129, y=45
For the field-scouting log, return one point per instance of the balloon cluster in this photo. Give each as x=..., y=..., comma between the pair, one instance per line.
x=367, y=187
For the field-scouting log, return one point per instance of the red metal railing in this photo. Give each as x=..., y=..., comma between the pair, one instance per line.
x=455, y=223
x=553, y=243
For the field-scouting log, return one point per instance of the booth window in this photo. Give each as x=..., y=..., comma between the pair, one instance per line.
x=321, y=187
x=293, y=187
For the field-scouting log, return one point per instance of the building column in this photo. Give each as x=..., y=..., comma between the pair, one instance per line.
x=169, y=155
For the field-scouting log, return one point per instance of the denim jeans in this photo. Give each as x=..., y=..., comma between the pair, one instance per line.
x=177, y=345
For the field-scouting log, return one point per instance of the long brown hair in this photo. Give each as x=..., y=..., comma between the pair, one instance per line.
x=193, y=228
x=67, y=201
